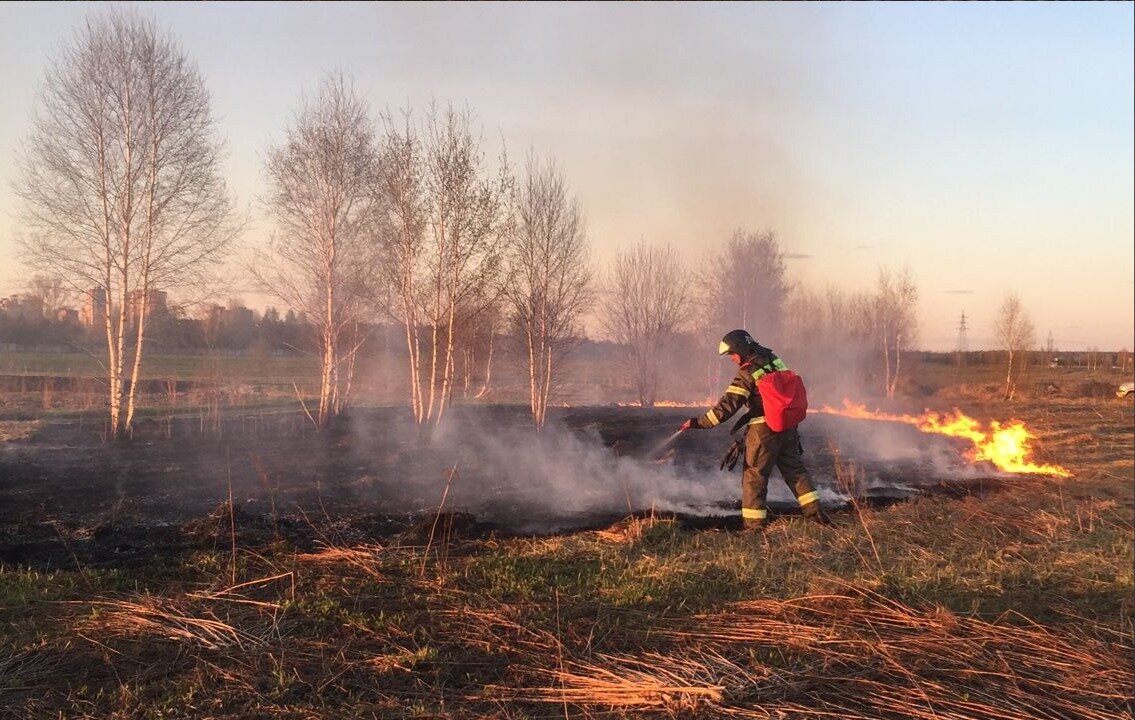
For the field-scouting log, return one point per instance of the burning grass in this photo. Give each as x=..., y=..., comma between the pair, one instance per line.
x=1011, y=604
x=1007, y=445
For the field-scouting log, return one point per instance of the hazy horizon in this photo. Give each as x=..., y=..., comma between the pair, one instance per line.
x=987, y=147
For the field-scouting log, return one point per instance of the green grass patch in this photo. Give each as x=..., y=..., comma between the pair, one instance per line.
x=206, y=368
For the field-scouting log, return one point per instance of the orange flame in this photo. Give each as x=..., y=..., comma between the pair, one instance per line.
x=1006, y=446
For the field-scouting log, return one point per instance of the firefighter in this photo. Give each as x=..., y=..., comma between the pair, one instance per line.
x=764, y=448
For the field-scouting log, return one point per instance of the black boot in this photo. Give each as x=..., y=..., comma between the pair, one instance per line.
x=752, y=526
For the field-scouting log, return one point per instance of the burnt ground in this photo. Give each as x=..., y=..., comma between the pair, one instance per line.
x=70, y=499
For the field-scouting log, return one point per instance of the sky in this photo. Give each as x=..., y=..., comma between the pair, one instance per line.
x=987, y=147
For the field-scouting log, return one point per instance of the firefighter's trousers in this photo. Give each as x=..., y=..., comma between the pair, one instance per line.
x=765, y=450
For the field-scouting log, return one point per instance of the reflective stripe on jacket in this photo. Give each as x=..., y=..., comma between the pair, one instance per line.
x=742, y=391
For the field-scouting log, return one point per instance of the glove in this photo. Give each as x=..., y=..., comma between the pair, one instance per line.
x=733, y=453
x=691, y=424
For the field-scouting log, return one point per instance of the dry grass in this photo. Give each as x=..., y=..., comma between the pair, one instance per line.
x=258, y=647
x=648, y=680
x=365, y=557
x=18, y=430
x=187, y=621
x=1009, y=606
x=24, y=672
x=856, y=655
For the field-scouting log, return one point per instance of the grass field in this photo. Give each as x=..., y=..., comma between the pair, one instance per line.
x=1011, y=604
x=269, y=369
x=381, y=378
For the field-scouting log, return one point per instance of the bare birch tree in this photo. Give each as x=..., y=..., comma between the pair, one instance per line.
x=549, y=276
x=896, y=322
x=402, y=198
x=827, y=323
x=475, y=336
x=444, y=244
x=741, y=285
x=321, y=195
x=465, y=245
x=121, y=182
x=745, y=286
x=648, y=301
x=1014, y=331
x=830, y=335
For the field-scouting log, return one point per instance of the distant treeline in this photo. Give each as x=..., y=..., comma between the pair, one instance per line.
x=243, y=332
x=1088, y=359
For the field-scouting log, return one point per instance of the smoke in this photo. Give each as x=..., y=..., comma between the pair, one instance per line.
x=563, y=477
x=596, y=464
x=834, y=372
x=897, y=455
x=587, y=467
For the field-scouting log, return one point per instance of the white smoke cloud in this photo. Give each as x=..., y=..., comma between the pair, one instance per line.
x=567, y=477
x=488, y=462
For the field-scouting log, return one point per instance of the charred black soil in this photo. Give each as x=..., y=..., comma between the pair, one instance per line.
x=71, y=499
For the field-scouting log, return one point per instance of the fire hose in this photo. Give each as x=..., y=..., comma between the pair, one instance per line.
x=732, y=455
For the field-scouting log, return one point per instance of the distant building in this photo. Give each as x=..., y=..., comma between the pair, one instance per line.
x=22, y=307
x=68, y=316
x=150, y=303
x=94, y=307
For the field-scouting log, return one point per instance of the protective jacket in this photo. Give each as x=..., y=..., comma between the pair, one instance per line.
x=764, y=449
x=742, y=391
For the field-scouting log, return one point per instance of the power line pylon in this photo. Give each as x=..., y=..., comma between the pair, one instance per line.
x=963, y=340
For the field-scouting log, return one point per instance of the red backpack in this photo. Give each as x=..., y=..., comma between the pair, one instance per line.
x=784, y=398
